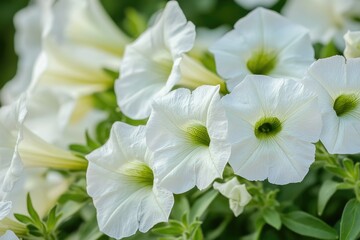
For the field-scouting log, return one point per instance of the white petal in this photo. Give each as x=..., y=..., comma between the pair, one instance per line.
x=250, y=4
x=9, y=235
x=5, y=208
x=150, y=66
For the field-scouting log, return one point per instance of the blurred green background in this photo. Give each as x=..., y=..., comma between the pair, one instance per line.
x=209, y=13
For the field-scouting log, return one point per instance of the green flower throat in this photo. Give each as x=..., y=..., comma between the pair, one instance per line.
x=267, y=127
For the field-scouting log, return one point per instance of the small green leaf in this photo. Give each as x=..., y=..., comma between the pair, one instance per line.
x=350, y=221
x=348, y=165
x=307, y=225
x=113, y=74
x=32, y=212
x=272, y=217
x=52, y=219
x=336, y=171
x=202, y=204
x=168, y=230
x=23, y=219
x=327, y=189
x=91, y=142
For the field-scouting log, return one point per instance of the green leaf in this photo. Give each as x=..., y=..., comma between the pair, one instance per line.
x=348, y=165
x=113, y=74
x=173, y=228
x=23, y=219
x=336, y=171
x=52, y=219
x=32, y=212
x=307, y=225
x=327, y=189
x=215, y=233
x=91, y=142
x=202, y=204
x=272, y=217
x=350, y=221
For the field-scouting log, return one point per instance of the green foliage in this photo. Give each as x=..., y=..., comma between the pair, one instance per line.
x=37, y=227
x=308, y=225
x=350, y=221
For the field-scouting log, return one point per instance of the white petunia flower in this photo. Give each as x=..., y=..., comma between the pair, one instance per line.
x=11, y=121
x=263, y=43
x=251, y=4
x=237, y=194
x=352, y=42
x=187, y=133
x=273, y=123
x=156, y=62
x=336, y=81
x=86, y=23
x=326, y=19
x=29, y=23
x=150, y=66
x=9, y=235
x=121, y=182
x=59, y=118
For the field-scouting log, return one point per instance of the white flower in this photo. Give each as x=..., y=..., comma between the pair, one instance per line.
x=9, y=235
x=326, y=19
x=236, y=193
x=187, y=133
x=150, y=66
x=250, y=4
x=273, y=123
x=264, y=43
x=29, y=23
x=352, y=41
x=11, y=121
x=121, y=182
x=336, y=81
x=86, y=23
x=59, y=118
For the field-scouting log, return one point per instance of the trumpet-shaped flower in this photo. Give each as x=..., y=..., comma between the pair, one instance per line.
x=86, y=23
x=29, y=23
x=273, y=123
x=251, y=4
x=237, y=194
x=122, y=184
x=352, y=42
x=187, y=133
x=263, y=43
x=150, y=66
x=336, y=81
x=326, y=19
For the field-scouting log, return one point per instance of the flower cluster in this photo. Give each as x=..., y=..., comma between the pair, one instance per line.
x=165, y=121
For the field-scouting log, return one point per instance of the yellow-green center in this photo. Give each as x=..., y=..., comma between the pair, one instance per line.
x=267, y=127
x=198, y=134
x=138, y=172
x=262, y=62
x=345, y=103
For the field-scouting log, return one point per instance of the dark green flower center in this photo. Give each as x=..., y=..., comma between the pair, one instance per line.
x=198, y=134
x=262, y=62
x=267, y=127
x=345, y=103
